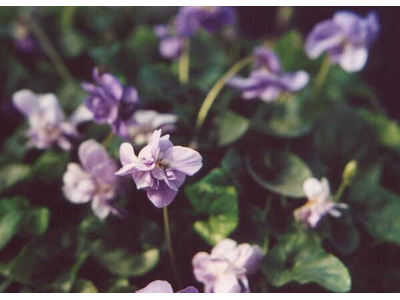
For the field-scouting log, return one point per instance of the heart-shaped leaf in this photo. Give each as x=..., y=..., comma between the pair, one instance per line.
x=283, y=173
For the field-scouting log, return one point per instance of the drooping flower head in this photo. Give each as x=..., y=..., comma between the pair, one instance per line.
x=319, y=203
x=141, y=126
x=225, y=269
x=189, y=20
x=267, y=81
x=160, y=168
x=211, y=18
x=46, y=119
x=171, y=44
x=93, y=180
x=346, y=38
x=23, y=38
x=109, y=101
x=161, y=286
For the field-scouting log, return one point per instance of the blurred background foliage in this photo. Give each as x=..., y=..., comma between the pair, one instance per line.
x=256, y=157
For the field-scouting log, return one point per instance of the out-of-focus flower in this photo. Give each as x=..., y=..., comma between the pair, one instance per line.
x=225, y=270
x=23, y=38
x=46, y=120
x=109, y=101
x=188, y=21
x=161, y=286
x=171, y=44
x=319, y=203
x=346, y=38
x=160, y=168
x=267, y=81
x=93, y=180
x=143, y=123
x=210, y=18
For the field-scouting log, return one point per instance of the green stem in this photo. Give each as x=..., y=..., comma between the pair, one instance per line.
x=184, y=61
x=342, y=187
x=215, y=90
x=322, y=74
x=50, y=50
x=4, y=285
x=169, y=245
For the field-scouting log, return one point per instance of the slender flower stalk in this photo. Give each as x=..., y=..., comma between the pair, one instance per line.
x=184, y=62
x=169, y=245
x=50, y=51
x=322, y=75
x=216, y=89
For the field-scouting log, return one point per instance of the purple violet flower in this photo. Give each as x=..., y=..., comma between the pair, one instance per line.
x=171, y=45
x=23, y=38
x=319, y=203
x=109, y=101
x=141, y=126
x=211, y=18
x=225, y=269
x=161, y=286
x=267, y=81
x=93, y=180
x=160, y=168
x=346, y=38
x=46, y=120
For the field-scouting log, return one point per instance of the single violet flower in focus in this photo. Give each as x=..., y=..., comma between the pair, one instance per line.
x=161, y=286
x=160, y=168
x=46, y=120
x=319, y=203
x=267, y=81
x=92, y=181
x=211, y=18
x=171, y=44
x=143, y=123
x=225, y=269
x=346, y=38
x=109, y=101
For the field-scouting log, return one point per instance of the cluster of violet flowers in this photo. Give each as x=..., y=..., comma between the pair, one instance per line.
x=160, y=168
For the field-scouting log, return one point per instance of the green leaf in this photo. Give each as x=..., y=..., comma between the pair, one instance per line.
x=122, y=262
x=231, y=127
x=386, y=130
x=13, y=174
x=14, y=147
x=299, y=257
x=46, y=258
x=12, y=212
x=84, y=286
x=285, y=118
x=36, y=221
x=51, y=165
x=142, y=45
x=215, y=196
x=282, y=172
x=377, y=206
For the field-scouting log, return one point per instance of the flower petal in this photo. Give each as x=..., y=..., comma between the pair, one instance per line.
x=161, y=197
x=127, y=154
x=25, y=101
x=353, y=58
x=313, y=188
x=158, y=286
x=295, y=81
x=183, y=159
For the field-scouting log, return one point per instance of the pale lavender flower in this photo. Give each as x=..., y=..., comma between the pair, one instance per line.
x=346, y=38
x=225, y=269
x=171, y=44
x=267, y=81
x=211, y=18
x=46, y=119
x=109, y=101
x=161, y=286
x=92, y=181
x=160, y=168
x=319, y=203
x=141, y=126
